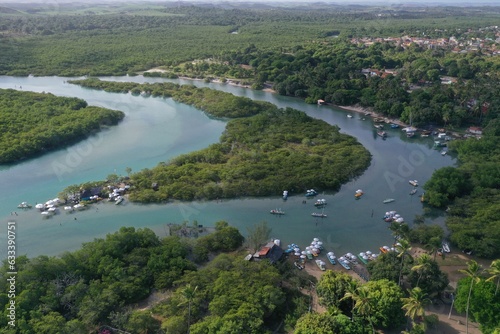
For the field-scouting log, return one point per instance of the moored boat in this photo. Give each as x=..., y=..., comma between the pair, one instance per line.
x=363, y=257
x=413, y=183
x=388, y=200
x=331, y=257
x=119, y=199
x=285, y=195
x=319, y=215
x=344, y=263
x=311, y=192
x=413, y=191
x=277, y=212
x=446, y=247
x=321, y=264
x=394, y=126
x=384, y=249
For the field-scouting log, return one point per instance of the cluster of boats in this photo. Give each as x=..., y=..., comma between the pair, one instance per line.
x=393, y=216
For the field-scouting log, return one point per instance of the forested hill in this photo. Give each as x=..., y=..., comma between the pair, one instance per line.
x=264, y=153
x=33, y=123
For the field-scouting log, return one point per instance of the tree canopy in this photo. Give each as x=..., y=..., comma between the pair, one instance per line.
x=33, y=123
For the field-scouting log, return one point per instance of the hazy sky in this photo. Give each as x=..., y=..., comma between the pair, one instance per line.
x=270, y=2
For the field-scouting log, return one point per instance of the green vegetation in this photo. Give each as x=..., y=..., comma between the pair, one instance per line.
x=471, y=191
x=478, y=296
x=96, y=285
x=258, y=155
x=33, y=123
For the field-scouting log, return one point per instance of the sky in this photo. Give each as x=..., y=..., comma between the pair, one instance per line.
x=270, y=2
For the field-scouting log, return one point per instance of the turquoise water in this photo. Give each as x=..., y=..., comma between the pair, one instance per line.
x=157, y=129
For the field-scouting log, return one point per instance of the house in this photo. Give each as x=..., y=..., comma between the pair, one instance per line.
x=270, y=251
x=475, y=130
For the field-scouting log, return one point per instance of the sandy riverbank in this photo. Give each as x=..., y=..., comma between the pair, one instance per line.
x=370, y=112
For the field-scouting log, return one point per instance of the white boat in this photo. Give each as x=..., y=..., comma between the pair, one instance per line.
x=413, y=191
x=45, y=214
x=349, y=116
x=40, y=206
x=331, y=257
x=119, y=199
x=277, y=212
x=68, y=209
x=320, y=202
x=413, y=183
x=388, y=200
x=319, y=214
x=311, y=192
x=446, y=247
x=285, y=194
x=79, y=206
x=24, y=205
x=321, y=264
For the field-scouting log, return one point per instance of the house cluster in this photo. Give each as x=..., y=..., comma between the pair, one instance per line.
x=488, y=44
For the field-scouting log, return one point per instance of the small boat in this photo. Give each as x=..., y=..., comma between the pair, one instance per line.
x=344, y=263
x=409, y=129
x=321, y=264
x=45, y=214
x=331, y=257
x=384, y=249
x=413, y=183
x=363, y=257
x=311, y=192
x=413, y=191
x=382, y=134
x=422, y=198
x=349, y=116
x=446, y=247
x=443, y=153
x=285, y=195
x=394, y=126
x=378, y=120
x=68, y=209
x=277, y=212
x=320, y=202
x=119, y=199
x=40, y=206
x=378, y=126
x=410, y=134
x=24, y=205
x=79, y=206
x=298, y=265
x=309, y=255
x=358, y=193
x=388, y=200
x=319, y=215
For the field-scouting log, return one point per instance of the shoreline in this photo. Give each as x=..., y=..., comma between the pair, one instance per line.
x=368, y=111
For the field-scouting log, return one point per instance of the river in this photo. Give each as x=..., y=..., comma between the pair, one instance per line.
x=157, y=129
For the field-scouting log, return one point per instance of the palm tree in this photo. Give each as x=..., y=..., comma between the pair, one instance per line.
x=363, y=303
x=433, y=245
x=187, y=295
x=415, y=303
x=494, y=271
x=472, y=271
x=402, y=247
x=423, y=263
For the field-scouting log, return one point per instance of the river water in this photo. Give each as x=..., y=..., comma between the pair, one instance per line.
x=157, y=129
